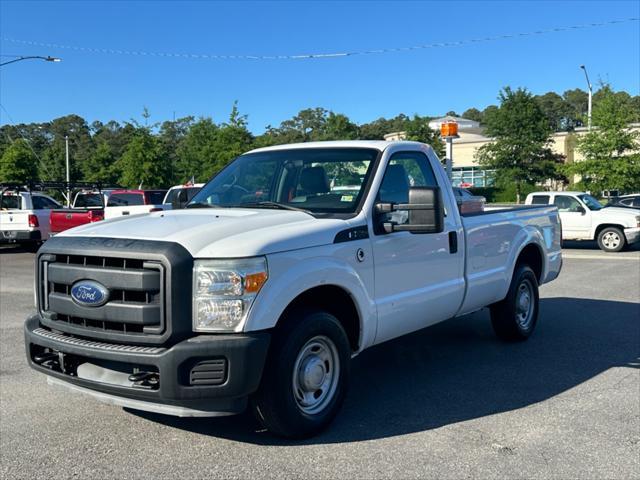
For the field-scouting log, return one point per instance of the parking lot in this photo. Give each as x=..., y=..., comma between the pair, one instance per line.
x=450, y=401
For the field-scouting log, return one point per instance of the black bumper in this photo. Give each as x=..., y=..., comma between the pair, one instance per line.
x=11, y=236
x=244, y=356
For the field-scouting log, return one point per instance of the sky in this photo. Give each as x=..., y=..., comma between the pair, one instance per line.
x=430, y=81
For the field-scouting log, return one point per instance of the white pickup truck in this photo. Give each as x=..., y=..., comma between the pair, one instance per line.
x=274, y=276
x=585, y=218
x=24, y=217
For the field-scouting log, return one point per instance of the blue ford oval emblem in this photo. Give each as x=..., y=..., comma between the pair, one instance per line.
x=89, y=293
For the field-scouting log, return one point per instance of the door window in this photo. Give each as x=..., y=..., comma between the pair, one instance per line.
x=405, y=170
x=43, y=203
x=567, y=204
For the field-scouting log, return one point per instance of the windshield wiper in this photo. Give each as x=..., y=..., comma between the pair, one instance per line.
x=202, y=205
x=269, y=204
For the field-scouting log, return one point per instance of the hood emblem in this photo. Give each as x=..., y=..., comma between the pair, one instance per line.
x=88, y=293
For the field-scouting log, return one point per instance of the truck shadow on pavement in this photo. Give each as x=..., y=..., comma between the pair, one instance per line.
x=458, y=370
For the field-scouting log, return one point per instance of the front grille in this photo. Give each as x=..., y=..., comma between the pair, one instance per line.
x=135, y=307
x=111, y=347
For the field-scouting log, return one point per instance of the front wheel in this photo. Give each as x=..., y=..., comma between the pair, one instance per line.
x=515, y=317
x=611, y=239
x=306, y=375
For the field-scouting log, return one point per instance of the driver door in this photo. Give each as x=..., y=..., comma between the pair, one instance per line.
x=418, y=276
x=575, y=217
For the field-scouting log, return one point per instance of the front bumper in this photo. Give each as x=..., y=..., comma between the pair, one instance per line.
x=11, y=236
x=632, y=234
x=175, y=393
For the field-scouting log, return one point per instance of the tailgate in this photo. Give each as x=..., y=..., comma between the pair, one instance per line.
x=62, y=220
x=14, y=220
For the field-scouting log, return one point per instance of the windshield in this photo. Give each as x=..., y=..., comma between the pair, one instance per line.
x=319, y=180
x=590, y=202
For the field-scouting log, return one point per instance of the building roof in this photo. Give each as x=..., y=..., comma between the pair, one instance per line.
x=463, y=123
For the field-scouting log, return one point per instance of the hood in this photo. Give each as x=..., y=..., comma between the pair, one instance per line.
x=625, y=213
x=221, y=233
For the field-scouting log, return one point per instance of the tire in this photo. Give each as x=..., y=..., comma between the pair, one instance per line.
x=293, y=404
x=515, y=317
x=611, y=239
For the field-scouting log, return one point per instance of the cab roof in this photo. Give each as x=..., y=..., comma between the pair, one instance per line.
x=380, y=145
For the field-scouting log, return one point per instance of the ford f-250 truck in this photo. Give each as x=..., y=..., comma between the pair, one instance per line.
x=262, y=290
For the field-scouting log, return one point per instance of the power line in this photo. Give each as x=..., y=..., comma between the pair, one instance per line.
x=204, y=56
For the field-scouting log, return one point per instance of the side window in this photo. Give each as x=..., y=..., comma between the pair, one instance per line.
x=566, y=203
x=636, y=202
x=540, y=200
x=42, y=203
x=405, y=170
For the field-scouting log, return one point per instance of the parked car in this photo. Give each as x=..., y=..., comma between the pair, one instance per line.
x=24, y=217
x=133, y=202
x=585, y=218
x=179, y=195
x=87, y=207
x=632, y=201
x=468, y=202
x=269, y=282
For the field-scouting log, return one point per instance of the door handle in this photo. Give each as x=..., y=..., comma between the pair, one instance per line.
x=453, y=242
x=125, y=213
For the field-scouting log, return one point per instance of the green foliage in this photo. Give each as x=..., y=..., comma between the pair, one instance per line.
x=521, y=154
x=610, y=150
x=472, y=114
x=418, y=130
x=18, y=163
x=142, y=162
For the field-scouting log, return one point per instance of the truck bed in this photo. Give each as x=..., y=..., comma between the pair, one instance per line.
x=493, y=240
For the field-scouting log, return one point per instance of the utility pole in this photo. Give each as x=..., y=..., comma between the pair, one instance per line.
x=66, y=151
x=590, y=97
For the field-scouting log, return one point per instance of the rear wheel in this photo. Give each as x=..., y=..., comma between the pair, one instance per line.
x=611, y=239
x=306, y=375
x=515, y=317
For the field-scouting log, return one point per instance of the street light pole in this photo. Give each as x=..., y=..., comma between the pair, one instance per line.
x=32, y=57
x=590, y=96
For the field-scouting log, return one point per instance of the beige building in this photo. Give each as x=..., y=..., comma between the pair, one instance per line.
x=465, y=167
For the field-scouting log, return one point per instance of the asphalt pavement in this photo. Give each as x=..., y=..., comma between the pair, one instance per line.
x=450, y=401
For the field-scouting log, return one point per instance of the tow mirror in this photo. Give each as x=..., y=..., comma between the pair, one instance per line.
x=180, y=200
x=425, y=212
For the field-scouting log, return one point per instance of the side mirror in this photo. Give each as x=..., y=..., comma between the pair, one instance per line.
x=581, y=210
x=180, y=200
x=425, y=208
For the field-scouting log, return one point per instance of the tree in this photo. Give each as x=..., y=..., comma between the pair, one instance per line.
x=100, y=167
x=472, y=114
x=142, y=162
x=418, y=130
x=610, y=150
x=18, y=163
x=377, y=129
x=520, y=153
x=576, y=102
x=556, y=110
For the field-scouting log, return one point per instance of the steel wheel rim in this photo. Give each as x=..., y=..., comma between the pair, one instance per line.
x=315, y=374
x=611, y=240
x=524, y=304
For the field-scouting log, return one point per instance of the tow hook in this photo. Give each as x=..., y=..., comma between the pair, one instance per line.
x=145, y=379
x=51, y=360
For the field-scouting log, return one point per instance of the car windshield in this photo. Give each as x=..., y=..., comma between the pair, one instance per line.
x=9, y=202
x=318, y=180
x=590, y=202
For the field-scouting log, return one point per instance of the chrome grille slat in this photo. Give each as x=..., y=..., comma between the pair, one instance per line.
x=80, y=342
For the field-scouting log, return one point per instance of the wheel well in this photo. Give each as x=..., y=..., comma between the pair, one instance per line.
x=606, y=225
x=334, y=300
x=531, y=255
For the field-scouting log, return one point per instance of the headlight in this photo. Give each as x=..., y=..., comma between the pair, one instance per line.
x=223, y=291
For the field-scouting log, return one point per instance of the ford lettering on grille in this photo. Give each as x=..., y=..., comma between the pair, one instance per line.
x=89, y=293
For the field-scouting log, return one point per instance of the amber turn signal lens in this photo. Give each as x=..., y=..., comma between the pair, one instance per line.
x=253, y=282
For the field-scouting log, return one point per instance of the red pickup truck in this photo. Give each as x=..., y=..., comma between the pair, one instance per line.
x=87, y=207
